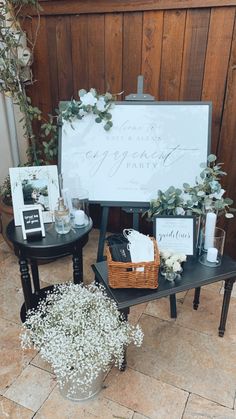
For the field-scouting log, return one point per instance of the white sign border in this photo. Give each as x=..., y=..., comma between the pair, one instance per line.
x=117, y=198
x=32, y=230
x=160, y=225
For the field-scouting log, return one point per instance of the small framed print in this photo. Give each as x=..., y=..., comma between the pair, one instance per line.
x=175, y=233
x=32, y=220
x=36, y=185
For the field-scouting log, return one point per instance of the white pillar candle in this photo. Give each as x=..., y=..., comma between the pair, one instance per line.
x=212, y=254
x=210, y=230
x=79, y=217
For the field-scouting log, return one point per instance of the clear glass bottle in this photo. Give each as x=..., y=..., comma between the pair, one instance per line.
x=62, y=218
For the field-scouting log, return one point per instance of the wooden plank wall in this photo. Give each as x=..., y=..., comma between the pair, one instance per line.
x=186, y=50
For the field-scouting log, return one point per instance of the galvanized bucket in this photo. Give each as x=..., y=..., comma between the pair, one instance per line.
x=79, y=393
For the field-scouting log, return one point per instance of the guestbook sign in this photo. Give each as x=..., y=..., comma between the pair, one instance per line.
x=150, y=146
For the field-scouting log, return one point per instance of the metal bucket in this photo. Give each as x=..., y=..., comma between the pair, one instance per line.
x=79, y=393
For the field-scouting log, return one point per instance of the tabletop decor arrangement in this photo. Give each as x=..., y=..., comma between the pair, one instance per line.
x=170, y=202
x=206, y=195
x=80, y=332
x=171, y=264
x=206, y=200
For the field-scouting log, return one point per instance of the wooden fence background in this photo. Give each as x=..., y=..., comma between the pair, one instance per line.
x=186, y=50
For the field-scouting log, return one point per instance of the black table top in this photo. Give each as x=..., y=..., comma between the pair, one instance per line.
x=194, y=275
x=53, y=244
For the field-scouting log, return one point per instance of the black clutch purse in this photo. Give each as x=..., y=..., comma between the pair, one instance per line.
x=118, y=248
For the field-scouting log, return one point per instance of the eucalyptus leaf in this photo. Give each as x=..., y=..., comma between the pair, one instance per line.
x=178, y=191
x=228, y=201
x=211, y=158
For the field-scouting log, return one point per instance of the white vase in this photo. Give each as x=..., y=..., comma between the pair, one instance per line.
x=78, y=393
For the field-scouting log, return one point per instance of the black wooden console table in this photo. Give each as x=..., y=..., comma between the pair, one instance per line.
x=195, y=276
x=52, y=246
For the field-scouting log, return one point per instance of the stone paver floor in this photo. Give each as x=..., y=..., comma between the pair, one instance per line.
x=182, y=371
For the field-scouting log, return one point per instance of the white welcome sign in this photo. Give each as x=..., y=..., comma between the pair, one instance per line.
x=150, y=146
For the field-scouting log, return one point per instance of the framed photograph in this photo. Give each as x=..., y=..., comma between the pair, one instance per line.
x=32, y=220
x=175, y=233
x=36, y=185
x=150, y=146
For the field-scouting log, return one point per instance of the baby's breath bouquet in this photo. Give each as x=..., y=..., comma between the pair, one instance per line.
x=79, y=331
x=171, y=263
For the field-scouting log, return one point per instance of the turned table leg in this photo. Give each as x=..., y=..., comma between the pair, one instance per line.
x=225, y=306
x=124, y=316
x=77, y=258
x=196, y=298
x=173, y=307
x=26, y=283
x=35, y=276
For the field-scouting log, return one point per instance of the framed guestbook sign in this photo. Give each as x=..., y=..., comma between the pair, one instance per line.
x=149, y=147
x=175, y=233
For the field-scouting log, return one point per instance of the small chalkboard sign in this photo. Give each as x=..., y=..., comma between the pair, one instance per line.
x=32, y=220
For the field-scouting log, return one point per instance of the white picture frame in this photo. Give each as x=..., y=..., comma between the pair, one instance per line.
x=34, y=185
x=150, y=146
x=175, y=233
x=30, y=215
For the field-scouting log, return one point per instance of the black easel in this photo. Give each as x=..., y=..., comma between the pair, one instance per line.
x=130, y=208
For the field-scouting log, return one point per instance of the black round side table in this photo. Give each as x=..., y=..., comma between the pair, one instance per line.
x=52, y=246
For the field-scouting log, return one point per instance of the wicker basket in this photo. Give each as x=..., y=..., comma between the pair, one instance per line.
x=127, y=275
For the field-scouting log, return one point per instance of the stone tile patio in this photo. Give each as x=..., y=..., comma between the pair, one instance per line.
x=182, y=371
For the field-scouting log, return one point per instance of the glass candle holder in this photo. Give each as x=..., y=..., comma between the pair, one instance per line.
x=80, y=209
x=212, y=253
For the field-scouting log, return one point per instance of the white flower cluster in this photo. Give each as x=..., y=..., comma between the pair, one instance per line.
x=79, y=331
x=91, y=99
x=171, y=262
x=91, y=103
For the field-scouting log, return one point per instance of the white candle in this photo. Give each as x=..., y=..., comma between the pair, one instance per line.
x=210, y=230
x=79, y=217
x=212, y=254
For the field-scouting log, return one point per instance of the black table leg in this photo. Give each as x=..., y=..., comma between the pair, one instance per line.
x=173, y=308
x=124, y=316
x=102, y=235
x=225, y=306
x=35, y=276
x=26, y=283
x=77, y=258
x=196, y=298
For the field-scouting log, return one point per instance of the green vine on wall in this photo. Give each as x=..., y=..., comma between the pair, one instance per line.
x=43, y=146
x=12, y=69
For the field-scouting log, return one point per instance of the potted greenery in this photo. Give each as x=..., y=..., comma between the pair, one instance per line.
x=80, y=332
